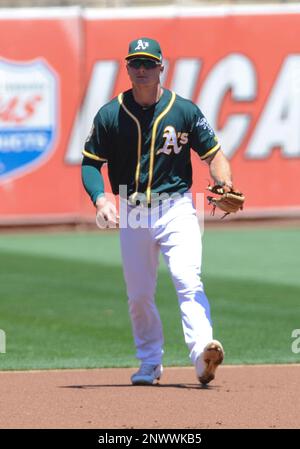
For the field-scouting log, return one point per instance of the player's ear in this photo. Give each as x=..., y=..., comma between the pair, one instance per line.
x=162, y=68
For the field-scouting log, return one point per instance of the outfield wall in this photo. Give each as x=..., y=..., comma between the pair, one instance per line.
x=241, y=65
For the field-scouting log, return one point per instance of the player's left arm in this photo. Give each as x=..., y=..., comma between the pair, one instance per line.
x=204, y=141
x=220, y=170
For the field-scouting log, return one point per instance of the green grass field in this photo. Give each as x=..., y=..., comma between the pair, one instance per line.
x=63, y=301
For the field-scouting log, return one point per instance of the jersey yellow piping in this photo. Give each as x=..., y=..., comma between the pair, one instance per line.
x=139, y=146
x=211, y=151
x=152, y=147
x=93, y=156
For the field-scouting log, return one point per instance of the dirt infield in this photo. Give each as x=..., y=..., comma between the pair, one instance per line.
x=240, y=397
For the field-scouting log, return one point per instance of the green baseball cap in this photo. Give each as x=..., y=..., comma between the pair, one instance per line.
x=144, y=48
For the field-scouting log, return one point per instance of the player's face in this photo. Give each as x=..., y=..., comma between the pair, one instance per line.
x=144, y=71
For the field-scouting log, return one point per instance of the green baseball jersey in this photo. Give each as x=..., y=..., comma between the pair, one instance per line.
x=149, y=149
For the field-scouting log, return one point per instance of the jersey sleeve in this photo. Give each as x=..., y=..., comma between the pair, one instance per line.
x=203, y=139
x=97, y=143
x=92, y=178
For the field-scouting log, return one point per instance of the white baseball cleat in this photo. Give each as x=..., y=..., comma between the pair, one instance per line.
x=212, y=356
x=147, y=374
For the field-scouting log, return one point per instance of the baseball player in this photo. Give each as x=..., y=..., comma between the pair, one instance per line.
x=145, y=135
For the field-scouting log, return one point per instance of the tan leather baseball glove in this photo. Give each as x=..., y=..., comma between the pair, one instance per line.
x=228, y=202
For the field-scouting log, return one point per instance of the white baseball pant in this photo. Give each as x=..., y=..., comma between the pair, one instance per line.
x=175, y=232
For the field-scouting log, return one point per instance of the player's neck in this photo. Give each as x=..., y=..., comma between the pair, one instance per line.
x=147, y=95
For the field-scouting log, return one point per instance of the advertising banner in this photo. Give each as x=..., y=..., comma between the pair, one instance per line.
x=59, y=69
x=40, y=87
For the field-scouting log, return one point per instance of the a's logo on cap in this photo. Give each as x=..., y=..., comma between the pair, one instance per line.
x=142, y=45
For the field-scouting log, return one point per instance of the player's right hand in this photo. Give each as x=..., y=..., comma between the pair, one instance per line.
x=106, y=215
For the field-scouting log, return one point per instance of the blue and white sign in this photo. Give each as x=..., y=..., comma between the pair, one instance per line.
x=28, y=116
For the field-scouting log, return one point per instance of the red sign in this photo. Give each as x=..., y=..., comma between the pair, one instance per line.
x=243, y=74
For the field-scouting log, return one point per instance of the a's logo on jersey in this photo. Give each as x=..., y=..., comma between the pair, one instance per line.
x=28, y=114
x=142, y=45
x=203, y=123
x=171, y=141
